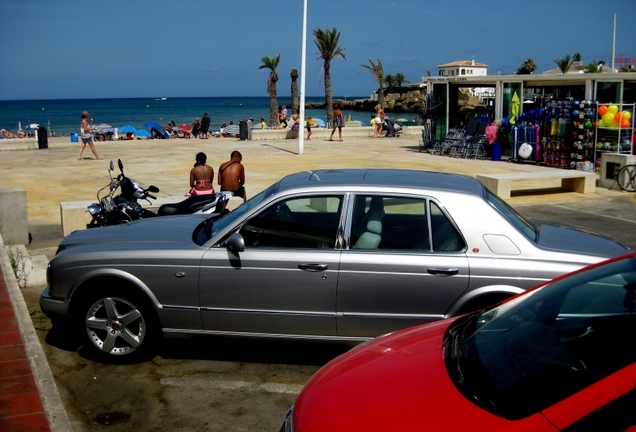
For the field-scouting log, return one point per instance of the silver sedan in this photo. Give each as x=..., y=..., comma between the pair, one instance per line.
x=327, y=255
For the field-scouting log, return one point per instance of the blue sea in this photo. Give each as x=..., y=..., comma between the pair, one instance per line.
x=62, y=116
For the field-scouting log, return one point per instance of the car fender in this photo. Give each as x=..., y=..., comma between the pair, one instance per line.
x=481, y=292
x=100, y=273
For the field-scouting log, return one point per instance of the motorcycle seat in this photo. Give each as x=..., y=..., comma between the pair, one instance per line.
x=187, y=206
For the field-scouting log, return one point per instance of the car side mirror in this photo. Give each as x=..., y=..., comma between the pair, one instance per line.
x=236, y=243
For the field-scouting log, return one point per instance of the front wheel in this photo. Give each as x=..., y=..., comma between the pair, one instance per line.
x=627, y=178
x=120, y=326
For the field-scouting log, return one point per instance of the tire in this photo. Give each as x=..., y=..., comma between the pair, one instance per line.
x=627, y=178
x=119, y=325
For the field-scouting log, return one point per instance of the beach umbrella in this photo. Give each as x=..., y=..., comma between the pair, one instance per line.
x=103, y=126
x=154, y=126
x=185, y=127
x=127, y=129
x=143, y=133
x=320, y=122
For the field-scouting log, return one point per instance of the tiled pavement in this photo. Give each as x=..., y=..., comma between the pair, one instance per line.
x=21, y=408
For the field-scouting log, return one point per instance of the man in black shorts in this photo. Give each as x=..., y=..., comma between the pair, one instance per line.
x=205, y=126
x=232, y=176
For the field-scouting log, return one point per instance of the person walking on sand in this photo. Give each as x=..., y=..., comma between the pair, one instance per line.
x=309, y=123
x=379, y=118
x=205, y=126
x=232, y=176
x=87, y=136
x=201, y=176
x=338, y=122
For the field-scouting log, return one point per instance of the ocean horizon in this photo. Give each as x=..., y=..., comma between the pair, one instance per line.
x=62, y=116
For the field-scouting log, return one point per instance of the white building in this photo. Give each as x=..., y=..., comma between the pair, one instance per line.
x=462, y=68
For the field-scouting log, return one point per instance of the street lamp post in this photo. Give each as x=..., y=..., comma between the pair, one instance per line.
x=303, y=59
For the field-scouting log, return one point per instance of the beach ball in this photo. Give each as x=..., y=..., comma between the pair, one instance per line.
x=618, y=118
x=627, y=115
x=612, y=109
x=608, y=119
x=602, y=110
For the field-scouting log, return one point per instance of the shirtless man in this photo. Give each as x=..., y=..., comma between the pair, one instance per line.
x=232, y=176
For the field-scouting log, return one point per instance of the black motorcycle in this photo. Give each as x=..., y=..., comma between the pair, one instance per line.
x=125, y=207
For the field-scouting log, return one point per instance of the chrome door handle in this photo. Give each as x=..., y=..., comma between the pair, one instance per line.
x=443, y=272
x=313, y=267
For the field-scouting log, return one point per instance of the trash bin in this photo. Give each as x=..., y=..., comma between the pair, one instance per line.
x=43, y=139
x=243, y=130
x=74, y=137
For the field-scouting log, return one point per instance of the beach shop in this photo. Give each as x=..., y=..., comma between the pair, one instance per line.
x=562, y=120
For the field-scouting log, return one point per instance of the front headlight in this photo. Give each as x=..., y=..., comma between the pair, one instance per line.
x=288, y=423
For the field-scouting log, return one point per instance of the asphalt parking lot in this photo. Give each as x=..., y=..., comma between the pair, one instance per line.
x=222, y=383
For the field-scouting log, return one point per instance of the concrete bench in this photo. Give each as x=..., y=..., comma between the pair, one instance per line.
x=75, y=216
x=572, y=180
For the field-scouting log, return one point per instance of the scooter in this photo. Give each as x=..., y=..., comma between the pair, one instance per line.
x=125, y=208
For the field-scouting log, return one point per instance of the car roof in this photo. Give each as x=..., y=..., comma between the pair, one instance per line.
x=366, y=177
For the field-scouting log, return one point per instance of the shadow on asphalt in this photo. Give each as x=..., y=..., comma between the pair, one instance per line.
x=217, y=348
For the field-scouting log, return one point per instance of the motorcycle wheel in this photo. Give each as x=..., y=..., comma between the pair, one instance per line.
x=119, y=325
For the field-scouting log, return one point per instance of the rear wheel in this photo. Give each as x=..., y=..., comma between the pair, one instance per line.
x=119, y=325
x=627, y=178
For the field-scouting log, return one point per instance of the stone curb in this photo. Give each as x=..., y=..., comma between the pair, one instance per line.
x=49, y=394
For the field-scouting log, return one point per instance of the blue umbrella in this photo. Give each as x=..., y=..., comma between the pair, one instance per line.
x=127, y=129
x=157, y=128
x=143, y=133
x=321, y=123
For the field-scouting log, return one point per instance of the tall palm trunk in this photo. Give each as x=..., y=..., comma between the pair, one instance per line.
x=294, y=90
x=273, y=101
x=328, y=94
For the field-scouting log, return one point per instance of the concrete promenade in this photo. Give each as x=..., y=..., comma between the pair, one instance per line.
x=54, y=175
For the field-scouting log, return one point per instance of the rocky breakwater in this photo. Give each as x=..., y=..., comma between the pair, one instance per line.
x=404, y=100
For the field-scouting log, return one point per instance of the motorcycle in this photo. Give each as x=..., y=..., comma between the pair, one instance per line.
x=125, y=208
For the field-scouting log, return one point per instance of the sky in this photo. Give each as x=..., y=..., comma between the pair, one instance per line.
x=69, y=49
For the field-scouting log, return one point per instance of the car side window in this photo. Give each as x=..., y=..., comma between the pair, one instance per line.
x=389, y=223
x=445, y=236
x=305, y=222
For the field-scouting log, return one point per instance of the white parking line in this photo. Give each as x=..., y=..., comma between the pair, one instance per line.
x=232, y=385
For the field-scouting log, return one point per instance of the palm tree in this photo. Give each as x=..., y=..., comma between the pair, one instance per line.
x=378, y=74
x=576, y=57
x=271, y=63
x=329, y=48
x=594, y=67
x=564, y=64
x=294, y=89
x=527, y=67
x=389, y=80
x=401, y=79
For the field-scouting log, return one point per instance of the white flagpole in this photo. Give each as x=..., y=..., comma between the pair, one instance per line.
x=303, y=59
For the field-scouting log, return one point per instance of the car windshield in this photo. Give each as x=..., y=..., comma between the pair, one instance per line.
x=524, y=355
x=207, y=229
x=523, y=224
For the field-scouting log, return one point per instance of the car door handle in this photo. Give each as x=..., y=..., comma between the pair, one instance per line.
x=443, y=272
x=313, y=267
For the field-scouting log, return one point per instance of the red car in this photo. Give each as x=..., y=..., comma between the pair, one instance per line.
x=560, y=357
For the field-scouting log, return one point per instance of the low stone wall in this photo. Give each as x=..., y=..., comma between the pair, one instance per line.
x=323, y=133
x=18, y=144
x=14, y=225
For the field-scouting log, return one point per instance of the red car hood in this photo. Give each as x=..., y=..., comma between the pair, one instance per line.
x=397, y=382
